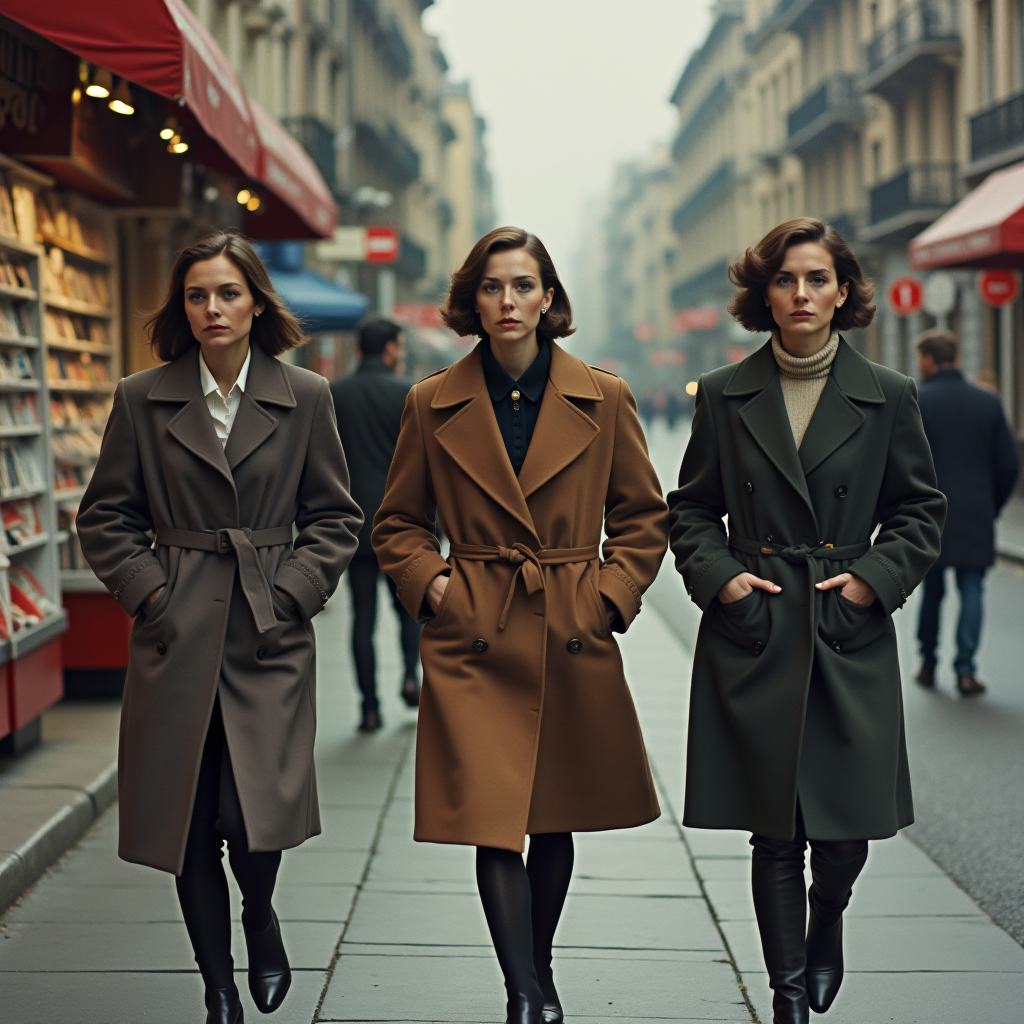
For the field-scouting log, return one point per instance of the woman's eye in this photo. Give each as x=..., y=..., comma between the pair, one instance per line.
x=195, y=297
x=818, y=280
x=230, y=293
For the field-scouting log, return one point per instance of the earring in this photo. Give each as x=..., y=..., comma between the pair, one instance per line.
x=256, y=314
x=543, y=310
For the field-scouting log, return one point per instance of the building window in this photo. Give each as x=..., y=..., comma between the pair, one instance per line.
x=876, y=160
x=987, y=51
x=1018, y=45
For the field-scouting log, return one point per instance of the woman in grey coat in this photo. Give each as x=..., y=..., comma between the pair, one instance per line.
x=796, y=719
x=207, y=464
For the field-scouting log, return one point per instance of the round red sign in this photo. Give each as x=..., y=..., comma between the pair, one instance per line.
x=999, y=287
x=906, y=295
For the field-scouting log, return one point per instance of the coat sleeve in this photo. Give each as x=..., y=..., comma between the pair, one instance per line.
x=114, y=521
x=697, y=534
x=911, y=511
x=403, y=536
x=1006, y=463
x=327, y=517
x=636, y=516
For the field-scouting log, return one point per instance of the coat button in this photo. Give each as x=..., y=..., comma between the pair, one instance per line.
x=758, y=647
x=841, y=491
x=161, y=648
x=480, y=645
x=575, y=645
x=837, y=647
x=748, y=487
x=261, y=652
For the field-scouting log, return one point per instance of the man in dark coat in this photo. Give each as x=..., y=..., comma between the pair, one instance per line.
x=976, y=464
x=369, y=406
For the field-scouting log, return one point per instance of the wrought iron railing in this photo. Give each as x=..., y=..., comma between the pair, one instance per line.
x=837, y=93
x=928, y=21
x=926, y=186
x=998, y=128
x=317, y=139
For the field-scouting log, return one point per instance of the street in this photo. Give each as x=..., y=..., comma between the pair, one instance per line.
x=659, y=924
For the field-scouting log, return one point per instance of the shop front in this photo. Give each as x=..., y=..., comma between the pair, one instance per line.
x=114, y=152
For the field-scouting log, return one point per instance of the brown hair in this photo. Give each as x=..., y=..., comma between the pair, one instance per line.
x=753, y=271
x=942, y=346
x=276, y=331
x=459, y=312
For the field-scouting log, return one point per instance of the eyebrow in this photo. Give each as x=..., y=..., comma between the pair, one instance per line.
x=519, y=277
x=820, y=270
x=201, y=288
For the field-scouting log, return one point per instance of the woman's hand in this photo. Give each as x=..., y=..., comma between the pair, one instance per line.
x=435, y=591
x=288, y=599
x=148, y=603
x=745, y=583
x=854, y=589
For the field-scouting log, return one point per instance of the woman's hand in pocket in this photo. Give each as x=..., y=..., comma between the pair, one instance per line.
x=151, y=600
x=286, y=597
x=744, y=584
x=435, y=591
x=854, y=589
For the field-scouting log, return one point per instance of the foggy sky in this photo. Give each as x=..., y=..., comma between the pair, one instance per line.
x=569, y=88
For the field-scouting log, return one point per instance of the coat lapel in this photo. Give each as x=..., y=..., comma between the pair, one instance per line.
x=193, y=425
x=836, y=418
x=563, y=432
x=472, y=439
x=266, y=384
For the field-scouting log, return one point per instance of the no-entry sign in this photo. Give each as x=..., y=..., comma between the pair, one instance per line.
x=382, y=244
x=906, y=295
x=999, y=287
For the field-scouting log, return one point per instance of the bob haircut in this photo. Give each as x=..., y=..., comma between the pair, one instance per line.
x=459, y=311
x=276, y=331
x=752, y=273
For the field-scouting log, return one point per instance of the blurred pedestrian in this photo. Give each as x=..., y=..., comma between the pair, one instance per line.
x=976, y=464
x=527, y=726
x=206, y=464
x=796, y=721
x=369, y=406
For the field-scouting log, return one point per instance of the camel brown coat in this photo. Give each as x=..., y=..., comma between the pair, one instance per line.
x=219, y=627
x=526, y=723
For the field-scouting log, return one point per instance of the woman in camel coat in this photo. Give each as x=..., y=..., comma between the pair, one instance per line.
x=526, y=724
x=207, y=462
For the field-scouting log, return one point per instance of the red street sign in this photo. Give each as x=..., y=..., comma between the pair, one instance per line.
x=999, y=287
x=696, y=318
x=906, y=295
x=411, y=314
x=382, y=245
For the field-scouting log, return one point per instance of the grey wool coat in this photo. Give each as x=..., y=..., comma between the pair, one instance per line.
x=796, y=696
x=219, y=627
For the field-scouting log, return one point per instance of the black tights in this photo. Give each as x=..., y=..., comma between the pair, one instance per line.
x=202, y=885
x=522, y=904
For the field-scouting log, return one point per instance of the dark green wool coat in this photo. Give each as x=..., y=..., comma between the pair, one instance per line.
x=796, y=696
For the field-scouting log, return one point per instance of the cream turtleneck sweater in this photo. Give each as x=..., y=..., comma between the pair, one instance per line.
x=803, y=380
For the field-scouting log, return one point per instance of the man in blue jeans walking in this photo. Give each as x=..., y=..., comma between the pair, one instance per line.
x=976, y=464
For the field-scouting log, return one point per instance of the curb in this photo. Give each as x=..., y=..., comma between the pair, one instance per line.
x=19, y=870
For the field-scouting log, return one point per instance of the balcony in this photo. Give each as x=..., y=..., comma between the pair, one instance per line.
x=799, y=16
x=831, y=111
x=997, y=135
x=317, y=139
x=702, y=116
x=390, y=151
x=922, y=36
x=710, y=191
x=909, y=201
x=394, y=49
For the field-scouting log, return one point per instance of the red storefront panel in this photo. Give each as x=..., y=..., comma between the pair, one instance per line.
x=37, y=682
x=98, y=631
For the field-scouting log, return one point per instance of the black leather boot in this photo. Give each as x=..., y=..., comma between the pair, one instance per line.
x=524, y=1008
x=549, y=867
x=824, y=962
x=270, y=977
x=223, y=1006
x=552, y=1011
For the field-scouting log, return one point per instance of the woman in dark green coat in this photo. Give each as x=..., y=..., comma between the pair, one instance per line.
x=796, y=717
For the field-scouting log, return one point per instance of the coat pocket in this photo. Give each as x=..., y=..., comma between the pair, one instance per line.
x=848, y=625
x=601, y=626
x=443, y=609
x=158, y=607
x=287, y=612
x=746, y=622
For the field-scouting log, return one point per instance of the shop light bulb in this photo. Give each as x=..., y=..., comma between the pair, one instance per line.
x=254, y=204
x=167, y=133
x=243, y=197
x=121, y=102
x=101, y=86
x=179, y=147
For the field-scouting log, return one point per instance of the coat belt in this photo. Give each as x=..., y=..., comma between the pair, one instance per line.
x=799, y=553
x=243, y=543
x=527, y=561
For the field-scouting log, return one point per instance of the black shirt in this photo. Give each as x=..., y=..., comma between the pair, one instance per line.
x=516, y=402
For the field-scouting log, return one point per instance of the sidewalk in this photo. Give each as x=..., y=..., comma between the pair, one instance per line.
x=1010, y=530
x=382, y=929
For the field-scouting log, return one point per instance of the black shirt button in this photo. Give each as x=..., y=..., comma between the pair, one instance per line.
x=758, y=647
x=161, y=648
x=769, y=539
x=842, y=491
x=574, y=646
x=261, y=652
x=480, y=645
x=837, y=647
x=748, y=487
x=515, y=405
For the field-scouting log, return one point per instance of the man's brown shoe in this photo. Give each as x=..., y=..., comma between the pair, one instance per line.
x=969, y=686
x=926, y=678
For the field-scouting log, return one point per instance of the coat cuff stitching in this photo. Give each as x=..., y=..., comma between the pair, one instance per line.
x=630, y=585
x=317, y=586
x=887, y=566
x=707, y=565
x=134, y=571
x=410, y=569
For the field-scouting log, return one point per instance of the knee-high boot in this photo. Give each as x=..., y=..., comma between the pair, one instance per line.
x=549, y=867
x=505, y=894
x=834, y=868
x=781, y=907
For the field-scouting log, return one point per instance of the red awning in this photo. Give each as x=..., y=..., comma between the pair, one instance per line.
x=162, y=46
x=985, y=229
